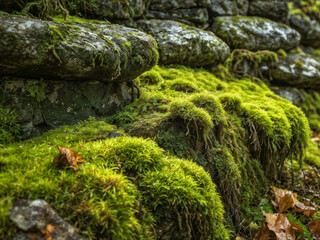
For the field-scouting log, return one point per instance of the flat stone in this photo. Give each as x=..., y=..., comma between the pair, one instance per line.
x=297, y=70
x=182, y=44
x=255, y=33
x=228, y=7
x=37, y=49
x=168, y=5
x=276, y=10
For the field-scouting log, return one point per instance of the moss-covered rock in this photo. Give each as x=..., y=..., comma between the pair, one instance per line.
x=42, y=49
x=182, y=44
x=276, y=10
x=296, y=70
x=228, y=7
x=255, y=33
x=126, y=189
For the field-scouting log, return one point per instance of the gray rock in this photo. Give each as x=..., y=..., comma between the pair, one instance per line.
x=255, y=33
x=115, y=9
x=228, y=7
x=168, y=5
x=308, y=28
x=60, y=102
x=38, y=217
x=289, y=93
x=276, y=10
x=40, y=49
x=182, y=44
x=295, y=70
x=193, y=15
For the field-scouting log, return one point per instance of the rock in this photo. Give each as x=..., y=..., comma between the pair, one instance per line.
x=255, y=33
x=228, y=7
x=41, y=49
x=114, y=135
x=182, y=44
x=114, y=9
x=295, y=70
x=39, y=218
x=276, y=10
x=169, y=5
x=42, y=105
x=193, y=15
x=308, y=28
x=289, y=93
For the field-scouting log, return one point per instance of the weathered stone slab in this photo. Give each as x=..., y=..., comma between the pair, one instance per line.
x=276, y=10
x=255, y=33
x=36, y=218
x=182, y=44
x=165, y=5
x=41, y=49
x=228, y=7
x=297, y=70
x=42, y=105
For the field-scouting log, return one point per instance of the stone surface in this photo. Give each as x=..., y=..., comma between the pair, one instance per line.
x=308, y=28
x=182, y=44
x=290, y=94
x=297, y=70
x=41, y=49
x=169, y=5
x=255, y=33
x=39, y=218
x=60, y=102
x=228, y=7
x=276, y=10
x=193, y=15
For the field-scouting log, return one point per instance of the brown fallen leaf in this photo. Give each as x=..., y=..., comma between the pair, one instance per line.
x=265, y=234
x=68, y=157
x=285, y=199
x=314, y=227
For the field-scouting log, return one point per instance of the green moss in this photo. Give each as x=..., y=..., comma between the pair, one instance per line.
x=150, y=78
x=125, y=187
x=181, y=85
x=38, y=91
x=313, y=154
x=78, y=20
x=9, y=128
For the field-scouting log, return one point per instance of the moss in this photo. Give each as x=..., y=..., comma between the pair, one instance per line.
x=313, y=154
x=150, y=78
x=123, y=189
x=78, y=20
x=181, y=85
x=10, y=130
x=37, y=91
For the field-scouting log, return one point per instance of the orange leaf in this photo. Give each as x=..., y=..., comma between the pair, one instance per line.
x=314, y=227
x=68, y=157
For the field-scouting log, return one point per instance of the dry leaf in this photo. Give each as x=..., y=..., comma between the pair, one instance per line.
x=265, y=234
x=285, y=199
x=68, y=157
x=314, y=227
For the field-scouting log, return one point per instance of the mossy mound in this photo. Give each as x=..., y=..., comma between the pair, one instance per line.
x=238, y=129
x=125, y=188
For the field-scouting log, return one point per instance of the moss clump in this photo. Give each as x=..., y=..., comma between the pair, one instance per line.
x=238, y=130
x=181, y=85
x=150, y=78
x=123, y=190
x=313, y=154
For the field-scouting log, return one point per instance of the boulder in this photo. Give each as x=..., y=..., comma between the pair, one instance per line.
x=255, y=33
x=168, y=5
x=37, y=49
x=276, y=10
x=297, y=70
x=228, y=7
x=42, y=105
x=308, y=28
x=188, y=16
x=182, y=44
x=289, y=93
x=37, y=219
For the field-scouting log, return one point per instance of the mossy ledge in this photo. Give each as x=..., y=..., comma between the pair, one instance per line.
x=125, y=189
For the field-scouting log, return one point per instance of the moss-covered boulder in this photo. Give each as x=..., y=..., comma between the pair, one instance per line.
x=165, y=5
x=127, y=188
x=42, y=49
x=179, y=43
x=276, y=10
x=228, y=7
x=255, y=33
x=296, y=70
